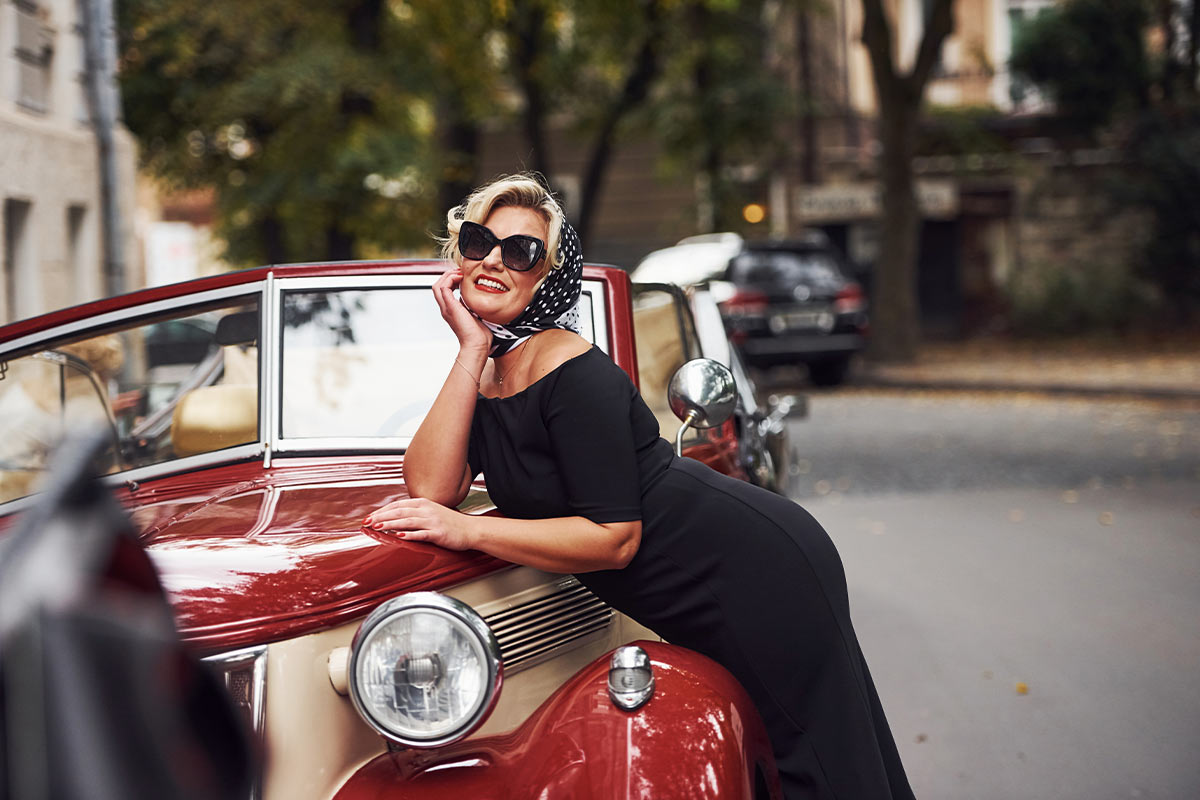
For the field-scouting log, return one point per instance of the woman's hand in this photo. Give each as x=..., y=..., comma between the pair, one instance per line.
x=472, y=335
x=419, y=520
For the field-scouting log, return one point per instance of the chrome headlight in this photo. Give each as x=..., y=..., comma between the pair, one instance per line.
x=424, y=669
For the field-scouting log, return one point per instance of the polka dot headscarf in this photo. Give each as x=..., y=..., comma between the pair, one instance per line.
x=554, y=305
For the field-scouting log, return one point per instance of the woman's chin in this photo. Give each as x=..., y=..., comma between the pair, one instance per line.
x=489, y=313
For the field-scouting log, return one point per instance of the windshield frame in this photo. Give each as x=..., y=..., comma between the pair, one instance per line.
x=279, y=445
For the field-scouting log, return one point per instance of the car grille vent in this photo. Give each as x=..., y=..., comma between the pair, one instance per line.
x=245, y=676
x=539, y=629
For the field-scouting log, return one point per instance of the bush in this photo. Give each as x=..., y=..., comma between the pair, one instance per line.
x=1078, y=297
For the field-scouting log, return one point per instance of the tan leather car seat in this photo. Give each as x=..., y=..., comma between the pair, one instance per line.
x=212, y=418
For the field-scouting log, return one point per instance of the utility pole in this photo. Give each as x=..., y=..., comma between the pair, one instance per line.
x=100, y=58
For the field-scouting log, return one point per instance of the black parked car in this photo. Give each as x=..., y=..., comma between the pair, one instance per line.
x=792, y=303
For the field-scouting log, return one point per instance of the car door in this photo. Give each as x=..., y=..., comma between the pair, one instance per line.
x=666, y=338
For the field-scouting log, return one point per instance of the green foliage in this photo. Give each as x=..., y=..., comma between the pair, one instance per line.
x=304, y=118
x=960, y=130
x=1089, y=55
x=1163, y=176
x=1056, y=298
x=344, y=128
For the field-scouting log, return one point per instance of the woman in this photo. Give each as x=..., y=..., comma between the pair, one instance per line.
x=573, y=457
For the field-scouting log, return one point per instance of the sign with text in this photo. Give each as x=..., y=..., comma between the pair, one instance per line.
x=843, y=202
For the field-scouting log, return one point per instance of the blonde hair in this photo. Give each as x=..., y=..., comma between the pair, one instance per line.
x=522, y=190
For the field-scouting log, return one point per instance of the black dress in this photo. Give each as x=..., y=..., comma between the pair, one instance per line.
x=742, y=575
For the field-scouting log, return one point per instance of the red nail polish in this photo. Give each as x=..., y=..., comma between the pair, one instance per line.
x=378, y=526
x=367, y=521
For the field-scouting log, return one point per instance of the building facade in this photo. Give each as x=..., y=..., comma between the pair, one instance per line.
x=49, y=166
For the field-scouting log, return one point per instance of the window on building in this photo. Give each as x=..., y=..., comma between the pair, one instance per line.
x=78, y=262
x=1024, y=95
x=939, y=66
x=82, y=110
x=16, y=255
x=34, y=56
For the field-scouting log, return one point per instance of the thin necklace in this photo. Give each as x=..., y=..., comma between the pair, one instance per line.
x=500, y=380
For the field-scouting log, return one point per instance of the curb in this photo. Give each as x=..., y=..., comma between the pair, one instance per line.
x=1084, y=390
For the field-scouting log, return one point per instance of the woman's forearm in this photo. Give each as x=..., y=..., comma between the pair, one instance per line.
x=561, y=544
x=435, y=464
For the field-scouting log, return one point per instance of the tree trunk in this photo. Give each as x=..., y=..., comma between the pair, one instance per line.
x=633, y=92
x=459, y=137
x=808, y=115
x=1193, y=54
x=896, y=313
x=270, y=231
x=339, y=245
x=711, y=157
x=1170, y=67
x=526, y=26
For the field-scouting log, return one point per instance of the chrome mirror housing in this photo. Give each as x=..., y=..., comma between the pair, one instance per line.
x=702, y=394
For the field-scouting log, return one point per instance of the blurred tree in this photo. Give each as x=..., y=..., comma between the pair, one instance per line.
x=455, y=47
x=344, y=129
x=721, y=108
x=589, y=64
x=895, y=315
x=1090, y=57
x=693, y=68
x=307, y=119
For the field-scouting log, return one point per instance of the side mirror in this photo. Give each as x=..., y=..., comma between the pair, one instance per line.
x=702, y=394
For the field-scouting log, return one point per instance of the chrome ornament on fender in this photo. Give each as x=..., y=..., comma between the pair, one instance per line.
x=425, y=670
x=630, y=678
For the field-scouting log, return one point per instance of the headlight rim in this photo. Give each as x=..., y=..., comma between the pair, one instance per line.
x=465, y=615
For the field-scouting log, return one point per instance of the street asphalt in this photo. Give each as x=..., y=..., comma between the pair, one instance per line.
x=1023, y=571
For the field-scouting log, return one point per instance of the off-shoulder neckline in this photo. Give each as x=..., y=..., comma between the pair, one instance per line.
x=554, y=371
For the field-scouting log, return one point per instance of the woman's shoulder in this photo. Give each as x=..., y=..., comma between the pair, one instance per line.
x=554, y=349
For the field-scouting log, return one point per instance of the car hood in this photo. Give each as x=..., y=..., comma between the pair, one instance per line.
x=249, y=555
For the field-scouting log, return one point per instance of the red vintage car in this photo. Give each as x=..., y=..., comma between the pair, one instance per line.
x=256, y=417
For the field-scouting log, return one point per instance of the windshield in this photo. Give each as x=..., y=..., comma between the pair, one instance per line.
x=177, y=385
x=366, y=363
x=361, y=363
x=815, y=268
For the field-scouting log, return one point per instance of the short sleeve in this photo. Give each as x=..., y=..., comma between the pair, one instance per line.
x=588, y=420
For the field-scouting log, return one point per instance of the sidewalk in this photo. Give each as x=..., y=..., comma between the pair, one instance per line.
x=1155, y=370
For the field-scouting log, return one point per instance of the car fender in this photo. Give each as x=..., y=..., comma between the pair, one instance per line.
x=698, y=736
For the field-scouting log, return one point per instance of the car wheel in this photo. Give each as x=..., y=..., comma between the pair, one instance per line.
x=829, y=373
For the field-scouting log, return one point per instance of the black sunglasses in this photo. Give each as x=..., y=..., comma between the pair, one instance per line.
x=518, y=252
